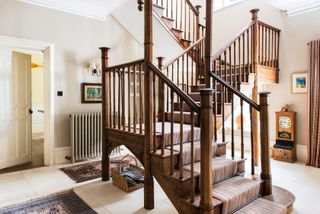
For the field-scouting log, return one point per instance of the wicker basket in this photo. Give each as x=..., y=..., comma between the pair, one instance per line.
x=120, y=181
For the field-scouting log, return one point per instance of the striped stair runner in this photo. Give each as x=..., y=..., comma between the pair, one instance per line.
x=263, y=206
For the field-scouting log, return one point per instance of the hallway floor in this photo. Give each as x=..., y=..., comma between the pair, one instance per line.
x=103, y=197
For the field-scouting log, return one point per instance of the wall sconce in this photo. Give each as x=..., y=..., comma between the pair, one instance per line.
x=95, y=69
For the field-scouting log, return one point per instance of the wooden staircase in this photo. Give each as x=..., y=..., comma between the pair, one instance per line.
x=168, y=114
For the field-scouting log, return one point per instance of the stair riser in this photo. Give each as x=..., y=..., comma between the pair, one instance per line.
x=176, y=118
x=168, y=22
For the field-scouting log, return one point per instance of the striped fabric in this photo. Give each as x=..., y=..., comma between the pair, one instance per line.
x=222, y=169
x=263, y=206
x=235, y=192
x=176, y=133
x=197, y=151
x=314, y=105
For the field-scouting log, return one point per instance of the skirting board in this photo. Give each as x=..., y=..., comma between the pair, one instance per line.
x=61, y=153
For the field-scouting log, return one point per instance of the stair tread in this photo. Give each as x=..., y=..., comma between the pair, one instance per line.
x=263, y=206
x=158, y=6
x=176, y=29
x=235, y=192
x=168, y=18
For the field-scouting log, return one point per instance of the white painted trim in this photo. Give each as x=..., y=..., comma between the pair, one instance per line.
x=13, y=42
x=61, y=153
x=80, y=8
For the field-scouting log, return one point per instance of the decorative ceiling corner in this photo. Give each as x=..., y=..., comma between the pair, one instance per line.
x=95, y=9
x=296, y=7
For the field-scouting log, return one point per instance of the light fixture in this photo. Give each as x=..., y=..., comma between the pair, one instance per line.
x=95, y=69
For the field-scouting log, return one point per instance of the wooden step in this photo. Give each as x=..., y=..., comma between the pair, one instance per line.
x=158, y=9
x=168, y=21
x=263, y=206
x=177, y=32
x=186, y=43
x=186, y=117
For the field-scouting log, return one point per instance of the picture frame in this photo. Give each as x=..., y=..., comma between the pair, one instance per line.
x=91, y=93
x=299, y=82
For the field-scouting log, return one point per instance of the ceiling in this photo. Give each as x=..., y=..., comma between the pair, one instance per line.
x=97, y=9
x=296, y=7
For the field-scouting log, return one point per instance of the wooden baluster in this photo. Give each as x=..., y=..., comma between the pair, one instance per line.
x=154, y=115
x=265, y=146
x=183, y=72
x=189, y=27
x=222, y=91
x=192, y=157
x=181, y=12
x=206, y=124
x=114, y=99
x=119, y=95
x=278, y=49
x=105, y=113
x=172, y=9
x=242, y=129
x=215, y=103
x=178, y=72
x=177, y=6
x=235, y=65
x=230, y=66
x=248, y=57
x=134, y=100
x=171, y=131
x=167, y=99
x=266, y=47
x=239, y=60
x=243, y=58
x=122, y=98
x=185, y=21
x=161, y=103
x=269, y=48
x=148, y=93
x=187, y=66
x=232, y=126
x=252, y=142
x=181, y=140
x=208, y=41
x=140, y=100
x=129, y=99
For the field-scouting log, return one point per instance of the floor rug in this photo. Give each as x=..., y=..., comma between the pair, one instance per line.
x=91, y=170
x=64, y=203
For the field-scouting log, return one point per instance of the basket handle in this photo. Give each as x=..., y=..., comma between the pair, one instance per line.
x=125, y=157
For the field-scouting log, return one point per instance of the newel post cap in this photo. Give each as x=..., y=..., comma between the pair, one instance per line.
x=254, y=13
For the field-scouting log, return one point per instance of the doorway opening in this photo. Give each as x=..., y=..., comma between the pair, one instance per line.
x=27, y=107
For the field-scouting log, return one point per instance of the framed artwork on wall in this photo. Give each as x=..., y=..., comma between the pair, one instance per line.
x=299, y=83
x=91, y=93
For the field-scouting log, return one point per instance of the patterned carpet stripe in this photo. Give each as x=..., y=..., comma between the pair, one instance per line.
x=263, y=206
x=235, y=192
x=222, y=168
x=197, y=151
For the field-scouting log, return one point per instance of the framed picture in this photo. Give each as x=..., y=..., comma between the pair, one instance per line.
x=299, y=83
x=91, y=93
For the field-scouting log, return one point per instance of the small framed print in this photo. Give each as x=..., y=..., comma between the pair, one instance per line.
x=299, y=83
x=91, y=93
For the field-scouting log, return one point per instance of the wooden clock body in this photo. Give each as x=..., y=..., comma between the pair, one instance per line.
x=285, y=149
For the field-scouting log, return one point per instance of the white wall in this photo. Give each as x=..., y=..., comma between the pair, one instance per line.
x=296, y=32
x=76, y=40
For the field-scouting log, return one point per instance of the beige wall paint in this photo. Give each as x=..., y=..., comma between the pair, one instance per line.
x=76, y=40
x=37, y=85
x=296, y=32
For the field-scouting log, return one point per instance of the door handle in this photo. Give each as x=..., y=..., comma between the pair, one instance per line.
x=30, y=111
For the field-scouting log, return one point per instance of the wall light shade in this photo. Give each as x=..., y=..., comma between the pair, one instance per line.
x=95, y=69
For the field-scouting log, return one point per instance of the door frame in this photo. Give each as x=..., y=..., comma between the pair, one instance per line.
x=48, y=53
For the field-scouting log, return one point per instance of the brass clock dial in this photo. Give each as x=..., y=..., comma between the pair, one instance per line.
x=285, y=122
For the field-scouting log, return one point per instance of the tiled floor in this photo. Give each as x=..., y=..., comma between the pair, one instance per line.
x=17, y=187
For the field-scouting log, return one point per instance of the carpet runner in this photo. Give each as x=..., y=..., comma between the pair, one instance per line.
x=263, y=206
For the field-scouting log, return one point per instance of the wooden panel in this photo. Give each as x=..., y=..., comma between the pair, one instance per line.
x=119, y=137
x=286, y=155
x=268, y=74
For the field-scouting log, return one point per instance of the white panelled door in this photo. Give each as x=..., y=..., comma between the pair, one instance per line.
x=15, y=103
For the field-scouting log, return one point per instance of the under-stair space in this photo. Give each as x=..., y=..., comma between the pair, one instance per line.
x=179, y=116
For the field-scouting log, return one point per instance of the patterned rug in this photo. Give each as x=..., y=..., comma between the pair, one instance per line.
x=63, y=203
x=92, y=170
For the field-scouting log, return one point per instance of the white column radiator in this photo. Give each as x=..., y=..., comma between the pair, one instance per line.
x=86, y=136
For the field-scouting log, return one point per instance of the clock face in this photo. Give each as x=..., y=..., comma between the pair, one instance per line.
x=284, y=122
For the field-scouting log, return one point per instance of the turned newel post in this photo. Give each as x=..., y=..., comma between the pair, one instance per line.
x=148, y=104
x=255, y=67
x=161, y=92
x=206, y=124
x=105, y=113
x=265, y=144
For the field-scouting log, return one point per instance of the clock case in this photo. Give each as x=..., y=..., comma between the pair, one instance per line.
x=285, y=149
